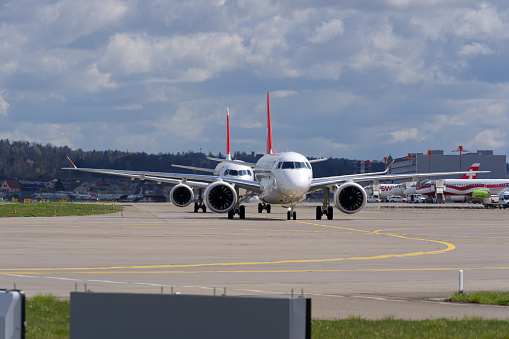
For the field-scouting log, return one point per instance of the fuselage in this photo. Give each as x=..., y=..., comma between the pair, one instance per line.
x=285, y=178
x=464, y=187
x=229, y=170
x=386, y=190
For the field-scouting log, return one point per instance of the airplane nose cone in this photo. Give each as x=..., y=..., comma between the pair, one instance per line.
x=294, y=184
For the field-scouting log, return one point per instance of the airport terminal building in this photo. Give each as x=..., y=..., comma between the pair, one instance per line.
x=438, y=162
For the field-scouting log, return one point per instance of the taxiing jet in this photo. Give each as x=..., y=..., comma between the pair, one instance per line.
x=182, y=194
x=283, y=179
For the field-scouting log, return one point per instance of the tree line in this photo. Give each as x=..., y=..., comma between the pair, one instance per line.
x=31, y=160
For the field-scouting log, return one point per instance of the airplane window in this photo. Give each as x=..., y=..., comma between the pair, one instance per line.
x=299, y=165
x=287, y=165
x=280, y=165
x=234, y=172
x=226, y=172
x=308, y=165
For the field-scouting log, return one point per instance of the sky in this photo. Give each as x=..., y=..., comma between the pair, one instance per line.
x=359, y=79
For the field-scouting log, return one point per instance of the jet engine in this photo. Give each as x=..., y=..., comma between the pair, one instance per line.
x=350, y=197
x=220, y=197
x=181, y=195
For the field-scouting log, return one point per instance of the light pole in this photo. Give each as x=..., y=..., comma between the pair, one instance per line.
x=460, y=149
x=409, y=157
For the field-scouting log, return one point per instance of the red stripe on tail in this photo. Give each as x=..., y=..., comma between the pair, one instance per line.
x=270, y=149
x=228, y=151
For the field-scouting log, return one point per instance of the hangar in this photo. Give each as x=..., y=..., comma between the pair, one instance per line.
x=437, y=161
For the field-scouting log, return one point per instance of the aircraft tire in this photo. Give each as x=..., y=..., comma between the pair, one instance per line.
x=330, y=213
x=242, y=212
x=288, y=215
x=268, y=208
x=294, y=215
x=318, y=213
x=230, y=214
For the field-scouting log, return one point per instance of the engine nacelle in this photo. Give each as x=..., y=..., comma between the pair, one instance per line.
x=181, y=195
x=350, y=198
x=220, y=197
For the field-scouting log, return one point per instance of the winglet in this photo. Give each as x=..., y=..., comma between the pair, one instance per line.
x=270, y=149
x=387, y=169
x=72, y=163
x=228, y=151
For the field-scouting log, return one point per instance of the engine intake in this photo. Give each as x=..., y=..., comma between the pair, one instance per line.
x=181, y=195
x=220, y=197
x=350, y=198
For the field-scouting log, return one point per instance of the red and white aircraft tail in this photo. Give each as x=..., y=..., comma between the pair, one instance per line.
x=270, y=148
x=228, y=150
x=470, y=175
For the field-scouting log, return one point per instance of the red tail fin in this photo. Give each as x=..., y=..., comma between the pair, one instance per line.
x=474, y=167
x=228, y=151
x=270, y=149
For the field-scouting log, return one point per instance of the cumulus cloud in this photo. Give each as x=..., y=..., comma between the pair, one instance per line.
x=181, y=58
x=405, y=135
x=489, y=139
x=475, y=49
x=327, y=31
x=483, y=22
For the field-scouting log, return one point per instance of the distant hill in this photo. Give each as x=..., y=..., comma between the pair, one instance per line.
x=23, y=159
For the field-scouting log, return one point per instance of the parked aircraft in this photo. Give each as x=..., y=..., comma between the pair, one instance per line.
x=283, y=179
x=470, y=174
x=465, y=189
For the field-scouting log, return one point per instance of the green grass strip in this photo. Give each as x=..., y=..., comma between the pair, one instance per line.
x=483, y=297
x=51, y=209
x=48, y=317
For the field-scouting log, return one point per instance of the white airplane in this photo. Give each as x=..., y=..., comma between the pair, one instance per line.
x=283, y=179
x=182, y=194
x=470, y=174
x=465, y=189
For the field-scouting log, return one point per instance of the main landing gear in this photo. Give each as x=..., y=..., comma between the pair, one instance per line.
x=240, y=210
x=291, y=214
x=262, y=207
x=199, y=205
x=326, y=208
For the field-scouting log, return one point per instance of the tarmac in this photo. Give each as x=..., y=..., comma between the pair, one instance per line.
x=388, y=260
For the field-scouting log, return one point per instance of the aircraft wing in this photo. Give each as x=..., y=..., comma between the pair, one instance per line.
x=319, y=183
x=195, y=168
x=173, y=178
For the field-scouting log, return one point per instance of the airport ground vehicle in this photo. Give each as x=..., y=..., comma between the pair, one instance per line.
x=417, y=198
x=395, y=198
x=372, y=199
x=491, y=201
x=503, y=199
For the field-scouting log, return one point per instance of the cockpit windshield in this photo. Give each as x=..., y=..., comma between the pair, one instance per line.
x=236, y=173
x=293, y=164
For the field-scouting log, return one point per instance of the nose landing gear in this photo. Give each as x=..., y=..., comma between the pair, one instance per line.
x=240, y=210
x=262, y=207
x=291, y=214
